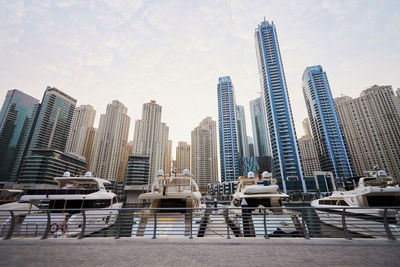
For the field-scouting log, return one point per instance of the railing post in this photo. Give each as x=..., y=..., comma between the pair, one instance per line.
x=155, y=225
x=227, y=224
x=46, y=231
x=387, y=227
x=265, y=224
x=303, y=226
x=191, y=225
x=119, y=224
x=346, y=231
x=82, y=234
x=12, y=224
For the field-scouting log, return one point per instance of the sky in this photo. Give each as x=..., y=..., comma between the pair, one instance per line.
x=174, y=51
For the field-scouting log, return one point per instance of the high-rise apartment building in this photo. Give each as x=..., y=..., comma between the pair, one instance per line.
x=111, y=144
x=167, y=156
x=228, y=134
x=371, y=127
x=50, y=129
x=182, y=157
x=242, y=133
x=15, y=118
x=54, y=121
x=280, y=125
x=325, y=124
x=82, y=134
x=150, y=136
x=308, y=151
x=309, y=155
x=259, y=126
x=204, y=153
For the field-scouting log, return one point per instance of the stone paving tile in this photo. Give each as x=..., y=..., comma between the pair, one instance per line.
x=198, y=252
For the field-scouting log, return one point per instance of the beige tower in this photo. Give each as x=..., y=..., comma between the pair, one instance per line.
x=150, y=136
x=182, y=157
x=167, y=156
x=111, y=145
x=308, y=151
x=82, y=133
x=371, y=127
x=204, y=153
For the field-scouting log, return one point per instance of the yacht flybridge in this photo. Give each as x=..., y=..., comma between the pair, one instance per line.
x=375, y=190
x=255, y=192
x=65, y=204
x=179, y=191
x=171, y=194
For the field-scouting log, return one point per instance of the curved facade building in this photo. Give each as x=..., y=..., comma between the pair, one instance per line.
x=325, y=124
x=280, y=124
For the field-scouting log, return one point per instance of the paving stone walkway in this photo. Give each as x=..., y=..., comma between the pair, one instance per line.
x=198, y=252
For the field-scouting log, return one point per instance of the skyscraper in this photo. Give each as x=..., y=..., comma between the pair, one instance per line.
x=259, y=126
x=82, y=134
x=53, y=121
x=371, y=127
x=242, y=133
x=150, y=135
x=280, y=125
x=167, y=156
x=47, y=141
x=228, y=134
x=182, y=157
x=308, y=151
x=15, y=117
x=204, y=163
x=111, y=144
x=325, y=123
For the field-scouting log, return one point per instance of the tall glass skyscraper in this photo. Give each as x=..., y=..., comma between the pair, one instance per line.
x=53, y=121
x=325, y=123
x=242, y=133
x=259, y=126
x=280, y=125
x=15, y=118
x=228, y=135
x=48, y=139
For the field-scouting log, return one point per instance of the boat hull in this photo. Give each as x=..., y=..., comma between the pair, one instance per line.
x=366, y=222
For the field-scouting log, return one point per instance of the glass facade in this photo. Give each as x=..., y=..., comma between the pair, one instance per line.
x=41, y=166
x=280, y=125
x=15, y=118
x=261, y=144
x=242, y=133
x=228, y=139
x=137, y=170
x=54, y=120
x=325, y=123
x=49, y=131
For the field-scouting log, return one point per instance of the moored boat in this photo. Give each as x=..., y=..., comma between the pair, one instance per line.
x=364, y=205
x=256, y=196
x=63, y=206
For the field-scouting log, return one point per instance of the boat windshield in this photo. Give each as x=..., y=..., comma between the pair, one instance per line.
x=380, y=201
x=73, y=205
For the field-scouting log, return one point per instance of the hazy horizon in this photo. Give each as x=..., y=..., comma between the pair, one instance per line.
x=175, y=51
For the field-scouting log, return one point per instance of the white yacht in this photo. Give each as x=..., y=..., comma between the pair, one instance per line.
x=263, y=192
x=173, y=192
x=375, y=190
x=65, y=204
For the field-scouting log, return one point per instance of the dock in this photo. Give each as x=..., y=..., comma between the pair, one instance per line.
x=199, y=252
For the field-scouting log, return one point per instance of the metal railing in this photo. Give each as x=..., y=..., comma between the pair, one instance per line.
x=225, y=222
